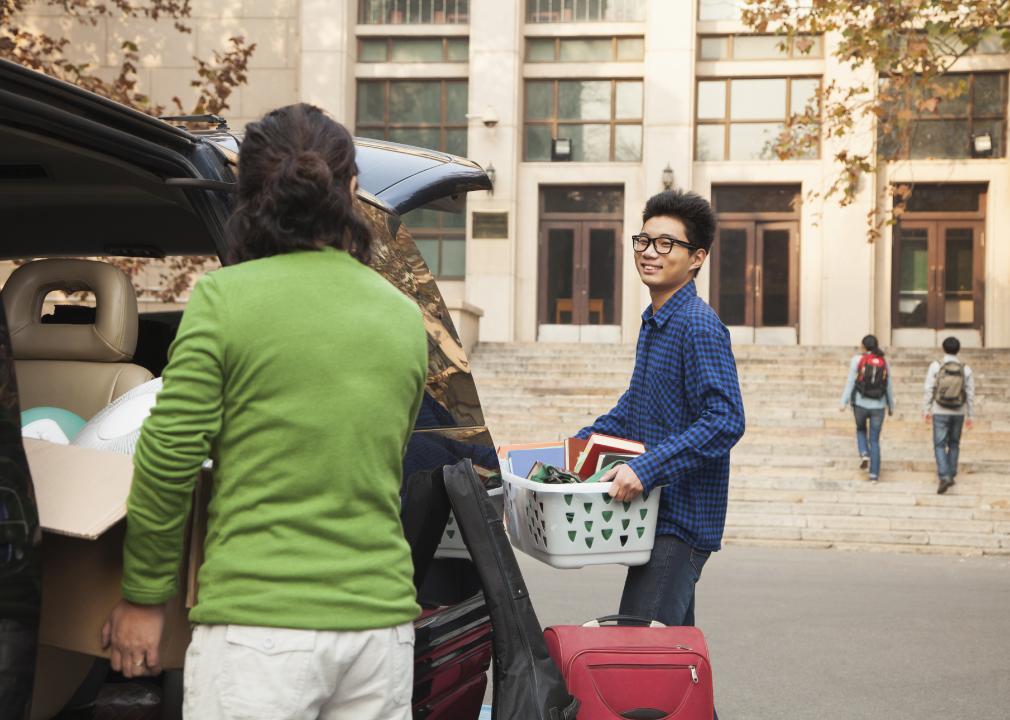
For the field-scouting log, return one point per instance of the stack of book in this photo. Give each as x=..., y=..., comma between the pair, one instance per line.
x=582, y=458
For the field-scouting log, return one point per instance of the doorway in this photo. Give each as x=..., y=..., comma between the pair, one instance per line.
x=939, y=266
x=580, y=264
x=755, y=263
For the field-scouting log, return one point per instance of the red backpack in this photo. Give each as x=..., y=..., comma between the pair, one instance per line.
x=871, y=376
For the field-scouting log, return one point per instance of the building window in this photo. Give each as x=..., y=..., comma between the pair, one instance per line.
x=602, y=118
x=441, y=238
x=759, y=47
x=719, y=9
x=414, y=12
x=413, y=49
x=426, y=113
x=741, y=118
x=552, y=11
x=978, y=108
x=600, y=49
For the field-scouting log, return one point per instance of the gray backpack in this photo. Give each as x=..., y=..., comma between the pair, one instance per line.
x=950, y=392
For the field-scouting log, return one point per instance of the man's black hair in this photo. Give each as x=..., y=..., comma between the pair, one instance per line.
x=691, y=209
x=952, y=346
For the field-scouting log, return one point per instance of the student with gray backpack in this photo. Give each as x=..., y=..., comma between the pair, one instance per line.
x=949, y=404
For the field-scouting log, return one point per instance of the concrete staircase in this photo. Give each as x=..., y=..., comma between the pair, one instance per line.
x=795, y=478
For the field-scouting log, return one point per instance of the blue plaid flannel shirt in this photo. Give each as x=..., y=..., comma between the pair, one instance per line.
x=684, y=404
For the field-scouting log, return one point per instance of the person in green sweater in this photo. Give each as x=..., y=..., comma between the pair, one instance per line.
x=299, y=371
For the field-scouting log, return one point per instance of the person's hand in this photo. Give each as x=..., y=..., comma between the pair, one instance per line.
x=626, y=485
x=928, y=417
x=133, y=634
x=841, y=408
x=969, y=423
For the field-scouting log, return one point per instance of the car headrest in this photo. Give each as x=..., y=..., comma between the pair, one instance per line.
x=112, y=337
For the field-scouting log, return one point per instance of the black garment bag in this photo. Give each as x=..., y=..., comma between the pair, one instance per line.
x=527, y=684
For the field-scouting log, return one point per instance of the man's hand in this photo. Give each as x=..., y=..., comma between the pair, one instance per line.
x=928, y=417
x=842, y=408
x=969, y=423
x=626, y=485
x=133, y=632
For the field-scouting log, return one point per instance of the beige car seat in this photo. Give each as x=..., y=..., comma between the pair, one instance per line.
x=81, y=368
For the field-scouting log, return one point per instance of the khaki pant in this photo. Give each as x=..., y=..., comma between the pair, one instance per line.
x=237, y=672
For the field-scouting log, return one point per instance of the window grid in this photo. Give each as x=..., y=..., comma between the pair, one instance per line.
x=970, y=116
x=553, y=11
x=554, y=123
x=414, y=12
x=443, y=236
x=614, y=43
x=728, y=122
x=815, y=52
x=368, y=129
x=389, y=42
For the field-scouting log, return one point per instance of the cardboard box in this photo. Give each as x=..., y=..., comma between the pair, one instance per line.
x=81, y=495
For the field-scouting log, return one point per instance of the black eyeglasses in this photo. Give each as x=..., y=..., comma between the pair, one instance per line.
x=663, y=244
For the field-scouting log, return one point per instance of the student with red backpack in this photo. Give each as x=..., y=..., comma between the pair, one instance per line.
x=869, y=390
x=949, y=405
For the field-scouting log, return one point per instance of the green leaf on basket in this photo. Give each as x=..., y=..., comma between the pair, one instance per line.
x=589, y=525
x=607, y=499
x=627, y=505
x=568, y=499
x=640, y=531
x=624, y=540
x=607, y=514
x=643, y=512
x=607, y=534
x=624, y=523
x=571, y=535
x=588, y=507
x=589, y=542
x=570, y=517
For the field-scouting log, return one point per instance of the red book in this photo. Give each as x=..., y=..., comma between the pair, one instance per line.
x=599, y=444
x=573, y=447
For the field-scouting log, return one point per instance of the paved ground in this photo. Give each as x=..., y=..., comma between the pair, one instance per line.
x=829, y=635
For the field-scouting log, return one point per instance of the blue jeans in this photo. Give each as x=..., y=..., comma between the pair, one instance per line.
x=663, y=588
x=947, y=443
x=869, y=443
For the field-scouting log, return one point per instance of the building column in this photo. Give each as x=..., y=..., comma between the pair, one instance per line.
x=326, y=57
x=494, y=91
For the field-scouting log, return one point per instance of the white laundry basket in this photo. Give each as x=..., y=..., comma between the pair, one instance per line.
x=570, y=526
x=452, y=545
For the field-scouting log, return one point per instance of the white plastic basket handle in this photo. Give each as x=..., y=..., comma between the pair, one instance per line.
x=631, y=619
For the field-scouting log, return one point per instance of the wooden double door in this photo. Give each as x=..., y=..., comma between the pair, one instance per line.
x=755, y=273
x=938, y=279
x=580, y=272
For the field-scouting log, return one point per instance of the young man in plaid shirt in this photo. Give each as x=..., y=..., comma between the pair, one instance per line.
x=684, y=403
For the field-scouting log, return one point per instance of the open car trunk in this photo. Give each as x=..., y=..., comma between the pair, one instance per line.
x=81, y=176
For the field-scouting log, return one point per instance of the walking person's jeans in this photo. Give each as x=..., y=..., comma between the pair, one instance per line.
x=947, y=443
x=663, y=588
x=868, y=442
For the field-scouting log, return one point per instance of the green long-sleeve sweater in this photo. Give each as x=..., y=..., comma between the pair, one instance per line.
x=300, y=375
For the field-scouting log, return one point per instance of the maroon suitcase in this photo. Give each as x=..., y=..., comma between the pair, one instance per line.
x=635, y=673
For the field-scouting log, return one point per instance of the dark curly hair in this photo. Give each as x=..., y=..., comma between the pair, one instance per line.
x=691, y=209
x=295, y=170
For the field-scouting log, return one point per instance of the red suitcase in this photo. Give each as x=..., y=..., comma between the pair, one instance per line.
x=635, y=673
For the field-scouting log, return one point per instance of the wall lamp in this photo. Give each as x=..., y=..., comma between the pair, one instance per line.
x=561, y=149
x=490, y=172
x=981, y=145
x=668, y=177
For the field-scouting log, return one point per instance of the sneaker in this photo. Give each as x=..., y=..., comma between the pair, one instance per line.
x=945, y=484
x=874, y=478
x=864, y=462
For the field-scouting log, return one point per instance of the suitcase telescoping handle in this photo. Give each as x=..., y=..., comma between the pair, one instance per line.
x=625, y=619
